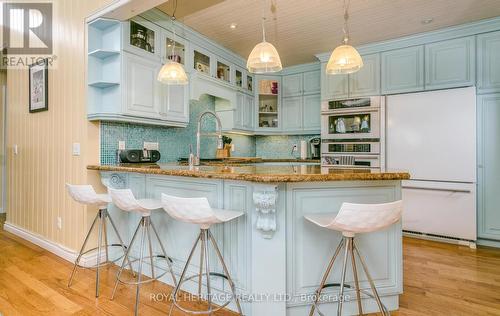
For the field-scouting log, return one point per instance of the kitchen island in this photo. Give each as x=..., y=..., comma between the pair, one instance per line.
x=276, y=258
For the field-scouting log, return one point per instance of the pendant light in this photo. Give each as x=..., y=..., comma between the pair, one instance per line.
x=173, y=73
x=264, y=57
x=345, y=59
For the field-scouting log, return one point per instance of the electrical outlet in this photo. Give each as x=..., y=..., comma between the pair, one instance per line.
x=76, y=149
x=295, y=148
x=151, y=146
x=233, y=148
x=59, y=222
x=121, y=145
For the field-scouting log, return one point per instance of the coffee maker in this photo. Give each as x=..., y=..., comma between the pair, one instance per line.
x=315, y=145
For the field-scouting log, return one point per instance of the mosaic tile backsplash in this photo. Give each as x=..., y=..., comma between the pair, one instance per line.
x=173, y=142
x=273, y=147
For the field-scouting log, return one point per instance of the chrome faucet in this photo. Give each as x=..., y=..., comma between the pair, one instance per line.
x=199, y=134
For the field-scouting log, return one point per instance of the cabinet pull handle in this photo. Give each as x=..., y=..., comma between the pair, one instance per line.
x=437, y=189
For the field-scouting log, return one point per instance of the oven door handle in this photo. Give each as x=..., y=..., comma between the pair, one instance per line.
x=436, y=189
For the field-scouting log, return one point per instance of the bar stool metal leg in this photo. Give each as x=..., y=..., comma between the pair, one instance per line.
x=77, y=261
x=183, y=274
x=342, y=281
x=325, y=277
x=123, y=262
x=356, y=281
x=370, y=280
x=139, y=270
x=125, y=256
x=99, y=245
x=207, y=266
x=226, y=271
x=164, y=253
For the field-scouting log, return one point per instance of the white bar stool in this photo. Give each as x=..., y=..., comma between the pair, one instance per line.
x=85, y=194
x=353, y=219
x=126, y=201
x=198, y=211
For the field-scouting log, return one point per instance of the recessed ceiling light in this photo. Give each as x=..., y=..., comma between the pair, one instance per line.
x=233, y=26
x=427, y=21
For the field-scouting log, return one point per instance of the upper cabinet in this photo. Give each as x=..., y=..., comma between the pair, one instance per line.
x=450, y=64
x=142, y=38
x=312, y=82
x=268, y=103
x=403, y=70
x=488, y=61
x=293, y=85
x=333, y=86
x=366, y=82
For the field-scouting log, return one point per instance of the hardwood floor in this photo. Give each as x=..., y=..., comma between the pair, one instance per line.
x=439, y=279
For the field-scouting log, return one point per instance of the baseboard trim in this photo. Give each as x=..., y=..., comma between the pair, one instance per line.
x=439, y=238
x=51, y=246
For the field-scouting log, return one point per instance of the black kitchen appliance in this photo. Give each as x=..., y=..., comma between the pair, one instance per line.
x=139, y=156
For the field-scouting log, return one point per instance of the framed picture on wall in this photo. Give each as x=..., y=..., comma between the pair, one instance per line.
x=39, y=86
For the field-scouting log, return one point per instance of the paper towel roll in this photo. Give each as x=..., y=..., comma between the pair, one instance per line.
x=303, y=149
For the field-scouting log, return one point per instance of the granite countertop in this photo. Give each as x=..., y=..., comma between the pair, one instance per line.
x=256, y=172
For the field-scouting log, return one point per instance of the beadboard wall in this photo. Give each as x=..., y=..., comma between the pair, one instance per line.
x=36, y=195
x=173, y=142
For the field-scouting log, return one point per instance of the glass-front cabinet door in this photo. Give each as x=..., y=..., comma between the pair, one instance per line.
x=142, y=38
x=173, y=48
x=223, y=71
x=238, y=78
x=268, y=103
x=202, y=61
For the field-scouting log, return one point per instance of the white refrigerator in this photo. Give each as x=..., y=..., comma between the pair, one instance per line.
x=433, y=136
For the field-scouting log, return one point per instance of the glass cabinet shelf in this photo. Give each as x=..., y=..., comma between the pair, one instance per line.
x=175, y=51
x=268, y=103
x=142, y=37
x=223, y=71
x=238, y=80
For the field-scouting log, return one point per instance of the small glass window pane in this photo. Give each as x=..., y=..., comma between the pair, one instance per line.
x=142, y=37
x=175, y=51
x=239, y=79
x=223, y=71
x=201, y=62
x=249, y=83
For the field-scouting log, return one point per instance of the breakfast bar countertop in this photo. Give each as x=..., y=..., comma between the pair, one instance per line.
x=257, y=172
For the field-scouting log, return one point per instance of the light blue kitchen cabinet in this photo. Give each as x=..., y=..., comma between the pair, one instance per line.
x=450, y=64
x=142, y=90
x=292, y=85
x=403, y=70
x=311, y=113
x=312, y=82
x=488, y=187
x=248, y=113
x=333, y=86
x=488, y=61
x=142, y=38
x=175, y=103
x=292, y=113
x=366, y=81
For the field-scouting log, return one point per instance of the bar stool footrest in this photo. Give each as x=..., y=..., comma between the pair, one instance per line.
x=105, y=263
x=157, y=277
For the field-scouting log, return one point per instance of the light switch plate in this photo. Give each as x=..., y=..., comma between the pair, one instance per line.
x=16, y=150
x=151, y=146
x=76, y=149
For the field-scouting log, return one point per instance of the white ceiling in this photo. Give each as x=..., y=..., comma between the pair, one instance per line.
x=302, y=28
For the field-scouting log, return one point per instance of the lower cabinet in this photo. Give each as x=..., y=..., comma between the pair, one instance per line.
x=488, y=181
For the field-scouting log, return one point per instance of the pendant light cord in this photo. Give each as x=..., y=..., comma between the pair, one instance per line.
x=263, y=29
x=346, y=18
x=173, y=28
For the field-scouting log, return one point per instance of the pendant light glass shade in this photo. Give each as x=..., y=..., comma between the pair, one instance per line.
x=345, y=59
x=264, y=57
x=172, y=73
